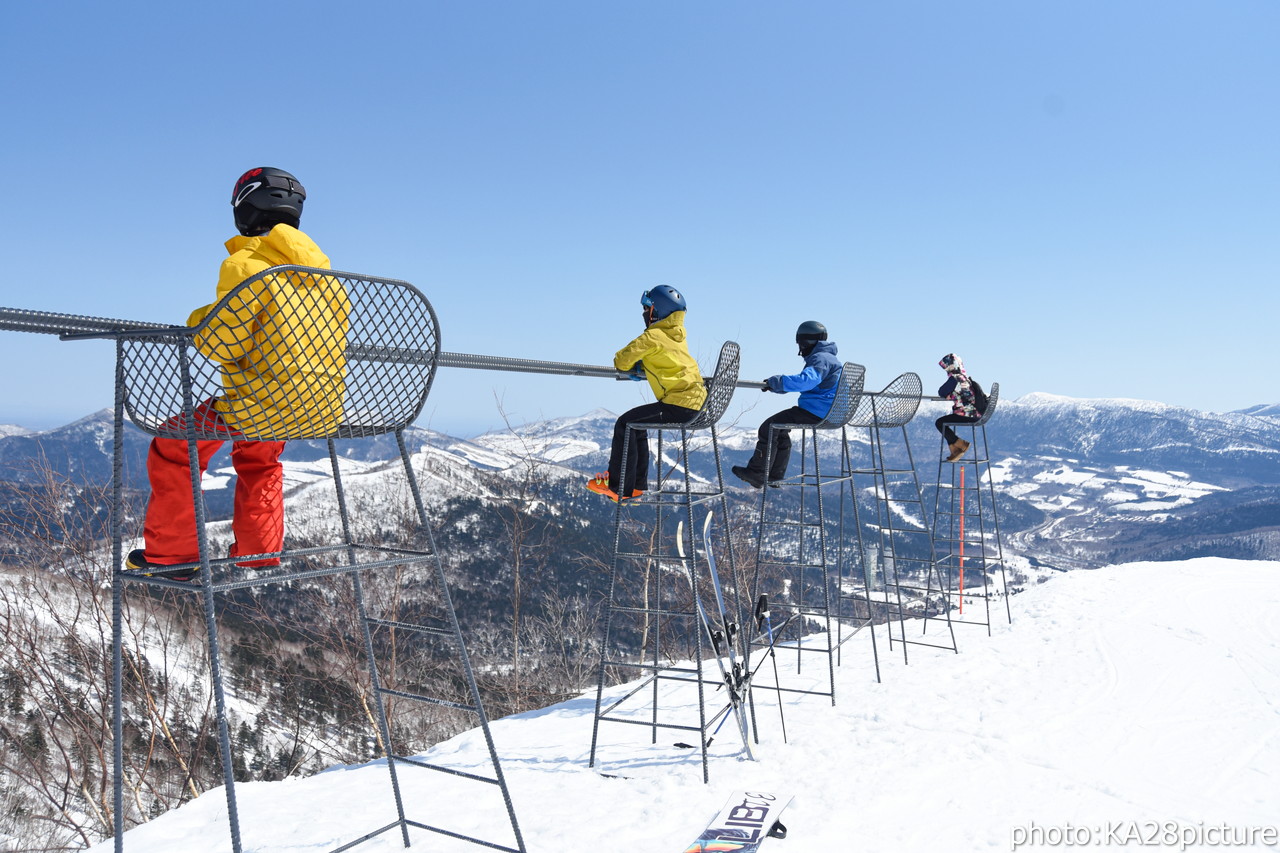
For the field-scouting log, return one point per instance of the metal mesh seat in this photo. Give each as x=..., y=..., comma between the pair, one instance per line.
x=292, y=353
x=846, y=403
x=992, y=399
x=719, y=393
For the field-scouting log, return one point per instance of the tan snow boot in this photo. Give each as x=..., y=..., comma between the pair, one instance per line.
x=957, y=447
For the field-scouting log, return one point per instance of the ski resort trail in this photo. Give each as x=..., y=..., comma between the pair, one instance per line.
x=1127, y=698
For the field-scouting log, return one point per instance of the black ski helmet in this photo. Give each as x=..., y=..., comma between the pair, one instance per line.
x=265, y=197
x=808, y=334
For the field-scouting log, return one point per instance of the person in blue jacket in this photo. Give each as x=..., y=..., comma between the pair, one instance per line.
x=817, y=386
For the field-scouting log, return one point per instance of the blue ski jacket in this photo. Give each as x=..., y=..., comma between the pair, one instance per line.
x=816, y=383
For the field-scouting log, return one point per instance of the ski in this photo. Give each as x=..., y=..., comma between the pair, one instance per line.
x=734, y=675
x=739, y=671
x=743, y=824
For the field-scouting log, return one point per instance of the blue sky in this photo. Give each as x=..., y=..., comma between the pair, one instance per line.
x=1078, y=197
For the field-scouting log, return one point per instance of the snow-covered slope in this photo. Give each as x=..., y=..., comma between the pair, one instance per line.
x=1263, y=410
x=1122, y=699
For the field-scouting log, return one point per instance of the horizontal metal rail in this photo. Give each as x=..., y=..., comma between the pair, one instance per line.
x=73, y=326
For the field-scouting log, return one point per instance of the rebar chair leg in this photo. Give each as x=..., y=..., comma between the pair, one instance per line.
x=849, y=586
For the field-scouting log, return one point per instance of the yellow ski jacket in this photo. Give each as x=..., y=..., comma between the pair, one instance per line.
x=281, y=342
x=673, y=374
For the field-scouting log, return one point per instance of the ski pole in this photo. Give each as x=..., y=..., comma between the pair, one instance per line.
x=962, y=508
x=762, y=615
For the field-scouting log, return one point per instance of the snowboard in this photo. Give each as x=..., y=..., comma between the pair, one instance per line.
x=743, y=824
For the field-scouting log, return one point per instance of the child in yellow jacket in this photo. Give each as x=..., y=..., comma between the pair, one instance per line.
x=661, y=355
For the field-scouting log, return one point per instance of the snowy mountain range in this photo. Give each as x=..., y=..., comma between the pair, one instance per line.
x=1079, y=482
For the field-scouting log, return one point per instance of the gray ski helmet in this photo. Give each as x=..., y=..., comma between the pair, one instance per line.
x=662, y=301
x=808, y=334
x=265, y=197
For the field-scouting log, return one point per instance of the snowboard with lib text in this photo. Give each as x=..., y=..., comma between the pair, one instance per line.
x=743, y=824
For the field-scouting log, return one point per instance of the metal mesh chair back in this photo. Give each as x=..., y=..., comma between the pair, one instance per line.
x=993, y=397
x=292, y=353
x=720, y=389
x=895, y=406
x=848, y=393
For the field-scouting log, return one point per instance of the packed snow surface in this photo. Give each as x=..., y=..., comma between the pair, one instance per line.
x=1120, y=700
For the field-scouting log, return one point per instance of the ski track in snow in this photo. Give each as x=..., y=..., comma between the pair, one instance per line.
x=1144, y=692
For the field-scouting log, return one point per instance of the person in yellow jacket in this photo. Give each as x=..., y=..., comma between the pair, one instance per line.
x=661, y=355
x=281, y=344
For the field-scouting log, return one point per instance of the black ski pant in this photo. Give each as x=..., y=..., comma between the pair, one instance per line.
x=947, y=432
x=781, y=439
x=634, y=470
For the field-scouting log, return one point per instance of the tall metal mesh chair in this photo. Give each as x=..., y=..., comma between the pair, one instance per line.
x=302, y=353
x=966, y=525
x=800, y=542
x=658, y=592
x=900, y=578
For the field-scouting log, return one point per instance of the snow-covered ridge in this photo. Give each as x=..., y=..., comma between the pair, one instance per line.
x=1048, y=401
x=1042, y=398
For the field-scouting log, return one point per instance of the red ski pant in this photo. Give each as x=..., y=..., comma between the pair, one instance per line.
x=258, y=520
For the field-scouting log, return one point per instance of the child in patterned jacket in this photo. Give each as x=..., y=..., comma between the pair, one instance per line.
x=966, y=407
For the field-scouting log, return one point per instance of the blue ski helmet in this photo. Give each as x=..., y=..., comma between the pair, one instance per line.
x=662, y=301
x=264, y=198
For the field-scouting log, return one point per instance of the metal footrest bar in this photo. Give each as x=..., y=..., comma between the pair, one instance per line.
x=631, y=722
x=452, y=771
x=367, y=836
x=657, y=611
x=262, y=578
x=652, y=667
x=793, y=563
x=460, y=837
x=675, y=499
x=797, y=524
x=409, y=626
x=431, y=700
